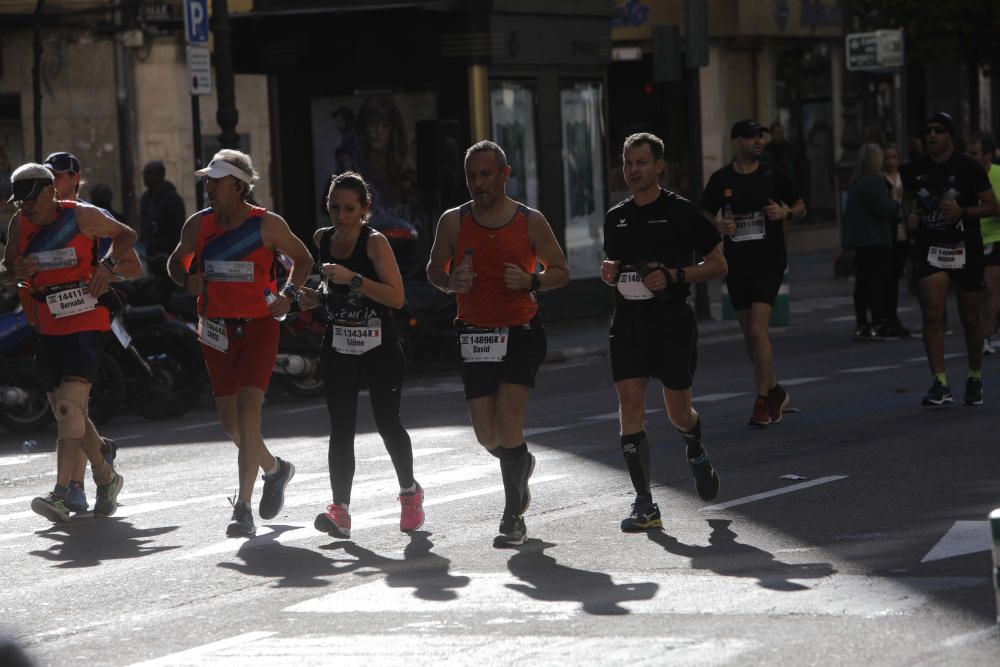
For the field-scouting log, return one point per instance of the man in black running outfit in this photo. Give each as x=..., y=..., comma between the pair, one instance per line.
x=650, y=239
x=757, y=201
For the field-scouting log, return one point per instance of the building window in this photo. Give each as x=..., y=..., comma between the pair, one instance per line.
x=583, y=137
x=512, y=121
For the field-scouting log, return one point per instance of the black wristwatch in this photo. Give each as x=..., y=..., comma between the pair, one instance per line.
x=110, y=262
x=291, y=292
x=680, y=275
x=356, y=281
x=536, y=282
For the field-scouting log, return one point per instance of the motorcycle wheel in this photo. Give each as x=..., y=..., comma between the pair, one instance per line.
x=307, y=385
x=175, y=386
x=32, y=416
x=108, y=391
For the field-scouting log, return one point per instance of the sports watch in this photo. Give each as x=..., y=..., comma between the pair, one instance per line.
x=356, y=281
x=680, y=275
x=536, y=282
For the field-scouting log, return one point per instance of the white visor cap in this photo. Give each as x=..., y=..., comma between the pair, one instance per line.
x=220, y=168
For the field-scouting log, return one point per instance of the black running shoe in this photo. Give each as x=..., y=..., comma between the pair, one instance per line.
x=645, y=514
x=513, y=532
x=242, y=522
x=273, y=498
x=107, y=496
x=937, y=396
x=706, y=479
x=974, y=391
x=522, y=473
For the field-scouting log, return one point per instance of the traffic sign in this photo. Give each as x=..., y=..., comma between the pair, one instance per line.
x=199, y=67
x=196, y=21
x=874, y=50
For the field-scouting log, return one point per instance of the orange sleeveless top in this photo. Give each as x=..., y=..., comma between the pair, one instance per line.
x=489, y=303
x=58, y=235
x=238, y=267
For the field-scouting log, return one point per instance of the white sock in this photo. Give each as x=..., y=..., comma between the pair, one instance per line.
x=274, y=470
x=410, y=489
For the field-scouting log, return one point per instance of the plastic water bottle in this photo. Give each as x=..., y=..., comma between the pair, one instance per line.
x=270, y=297
x=727, y=211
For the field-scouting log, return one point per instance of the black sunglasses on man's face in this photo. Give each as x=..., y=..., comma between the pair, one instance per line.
x=936, y=129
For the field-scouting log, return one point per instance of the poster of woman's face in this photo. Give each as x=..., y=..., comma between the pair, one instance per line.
x=372, y=134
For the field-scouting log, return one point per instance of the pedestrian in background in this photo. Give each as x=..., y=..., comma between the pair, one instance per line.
x=868, y=230
x=900, y=249
x=161, y=211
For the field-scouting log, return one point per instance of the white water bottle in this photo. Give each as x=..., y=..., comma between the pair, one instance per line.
x=270, y=297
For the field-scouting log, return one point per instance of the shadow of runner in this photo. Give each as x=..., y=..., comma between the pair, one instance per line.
x=87, y=542
x=727, y=557
x=547, y=580
x=294, y=567
x=420, y=569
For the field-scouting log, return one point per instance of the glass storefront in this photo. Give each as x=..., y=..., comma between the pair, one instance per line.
x=583, y=138
x=512, y=121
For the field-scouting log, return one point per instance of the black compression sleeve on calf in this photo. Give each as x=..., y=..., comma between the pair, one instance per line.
x=692, y=439
x=635, y=449
x=509, y=457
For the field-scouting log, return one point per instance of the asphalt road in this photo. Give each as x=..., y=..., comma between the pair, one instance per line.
x=852, y=533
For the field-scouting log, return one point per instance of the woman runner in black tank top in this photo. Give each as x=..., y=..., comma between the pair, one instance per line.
x=361, y=287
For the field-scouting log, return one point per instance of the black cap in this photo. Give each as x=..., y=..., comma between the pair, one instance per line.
x=63, y=162
x=747, y=128
x=941, y=118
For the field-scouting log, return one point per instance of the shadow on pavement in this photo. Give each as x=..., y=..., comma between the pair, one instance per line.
x=545, y=579
x=294, y=567
x=87, y=542
x=420, y=569
x=727, y=557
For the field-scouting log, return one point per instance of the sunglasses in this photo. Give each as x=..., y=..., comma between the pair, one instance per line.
x=936, y=129
x=63, y=162
x=28, y=190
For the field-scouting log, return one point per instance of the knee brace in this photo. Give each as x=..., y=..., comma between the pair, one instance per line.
x=70, y=409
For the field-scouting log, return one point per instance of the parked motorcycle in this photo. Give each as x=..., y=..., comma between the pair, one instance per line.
x=297, y=363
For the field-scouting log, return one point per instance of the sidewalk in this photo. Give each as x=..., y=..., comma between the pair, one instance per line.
x=810, y=277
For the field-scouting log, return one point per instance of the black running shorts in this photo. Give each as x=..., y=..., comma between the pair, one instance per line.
x=662, y=344
x=526, y=348
x=70, y=355
x=750, y=281
x=968, y=279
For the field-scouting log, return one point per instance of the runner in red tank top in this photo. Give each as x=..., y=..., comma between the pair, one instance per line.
x=51, y=249
x=485, y=251
x=225, y=257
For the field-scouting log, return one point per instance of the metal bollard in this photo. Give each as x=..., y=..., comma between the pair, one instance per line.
x=995, y=532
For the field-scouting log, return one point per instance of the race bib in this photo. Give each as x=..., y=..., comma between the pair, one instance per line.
x=484, y=345
x=750, y=227
x=630, y=286
x=357, y=339
x=230, y=272
x=213, y=334
x=944, y=257
x=49, y=260
x=118, y=329
x=70, y=302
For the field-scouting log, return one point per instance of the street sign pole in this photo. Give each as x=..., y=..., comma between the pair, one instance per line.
x=199, y=78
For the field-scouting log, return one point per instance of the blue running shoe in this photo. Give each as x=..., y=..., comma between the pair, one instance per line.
x=76, y=499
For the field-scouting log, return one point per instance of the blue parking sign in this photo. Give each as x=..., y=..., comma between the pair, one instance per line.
x=196, y=21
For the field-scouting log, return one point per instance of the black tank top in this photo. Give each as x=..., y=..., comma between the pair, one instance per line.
x=344, y=305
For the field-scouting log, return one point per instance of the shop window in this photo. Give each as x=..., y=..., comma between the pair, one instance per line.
x=583, y=139
x=11, y=142
x=512, y=121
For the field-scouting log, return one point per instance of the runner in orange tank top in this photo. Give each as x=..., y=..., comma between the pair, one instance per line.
x=485, y=252
x=225, y=257
x=52, y=250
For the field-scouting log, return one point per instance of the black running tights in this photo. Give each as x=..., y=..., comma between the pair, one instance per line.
x=342, y=375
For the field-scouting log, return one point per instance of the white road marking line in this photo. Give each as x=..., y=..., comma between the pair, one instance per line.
x=417, y=453
x=614, y=415
x=868, y=369
x=949, y=355
x=14, y=536
x=794, y=382
x=435, y=647
x=191, y=427
x=547, y=429
x=16, y=501
x=308, y=408
x=120, y=438
x=710, y=398
x=22, y=459
x=776, y=492
x=294, y=531
x=842, y=318
x=185, y=657
x=964, y=537
x=822, y=593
